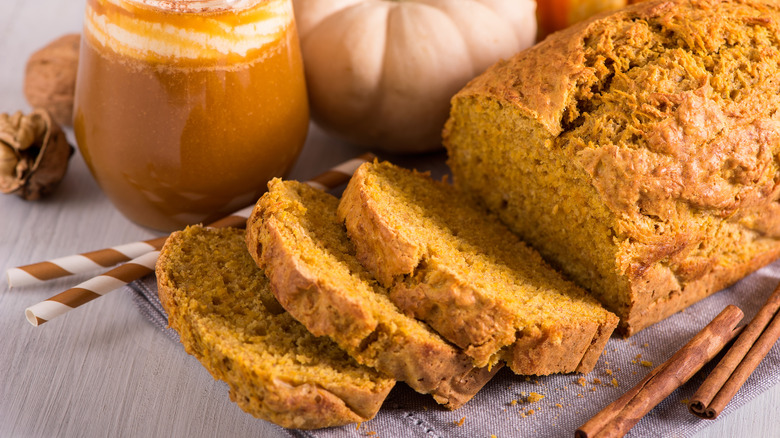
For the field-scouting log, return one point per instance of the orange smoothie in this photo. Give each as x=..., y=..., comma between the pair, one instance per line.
x=184, y=110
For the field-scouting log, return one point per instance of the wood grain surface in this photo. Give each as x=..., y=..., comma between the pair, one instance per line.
x=102, y=369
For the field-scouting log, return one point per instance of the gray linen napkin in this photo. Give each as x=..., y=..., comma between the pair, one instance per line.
x=502, y=408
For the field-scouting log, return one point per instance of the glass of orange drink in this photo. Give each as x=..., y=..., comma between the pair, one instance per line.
x=185, y=109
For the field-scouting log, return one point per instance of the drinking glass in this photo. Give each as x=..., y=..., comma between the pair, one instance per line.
x=185, y=109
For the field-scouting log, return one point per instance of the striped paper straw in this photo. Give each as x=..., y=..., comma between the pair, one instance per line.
x=81, y=263
x=37, y=273
x=144, y=264
x=91, y=289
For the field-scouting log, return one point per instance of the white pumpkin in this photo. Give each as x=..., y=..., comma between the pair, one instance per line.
x=380, y=73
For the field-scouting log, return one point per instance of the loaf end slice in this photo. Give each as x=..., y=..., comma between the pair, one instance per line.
x=221, y=305
x=454, y=265
x=295, y=235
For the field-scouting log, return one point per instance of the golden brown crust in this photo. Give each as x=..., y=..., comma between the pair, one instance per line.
x=347, y=308
x=647, y=116
x=384, y=251
x=318, y=305
x=305, y=406
x=459, y=312
x=258, y=389
x=647, y=313
x=377, y=208
x=576, y=349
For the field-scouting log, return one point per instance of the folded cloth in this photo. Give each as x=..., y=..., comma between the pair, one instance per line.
x=554, y=406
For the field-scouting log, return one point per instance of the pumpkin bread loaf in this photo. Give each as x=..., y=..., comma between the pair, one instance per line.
x=457, y=267
x=295, y=235
x=222, y=307
x=638, y=152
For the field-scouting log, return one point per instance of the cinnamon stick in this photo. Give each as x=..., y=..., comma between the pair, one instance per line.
x=739, y=362
x=600, y=420
x=617, y=418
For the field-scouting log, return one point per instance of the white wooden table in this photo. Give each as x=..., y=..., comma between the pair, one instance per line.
x=103, y=370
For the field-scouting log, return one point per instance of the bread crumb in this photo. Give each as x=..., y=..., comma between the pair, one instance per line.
x=646, y=363
x=645, y=345
x=558, y=405
x=534, y=397
x=513, y=402
x=580, y=395
x=358, y=426
x=608, y=371
x=371, y=433
x=530, y=412
x=684, y=401
x=638, y=356
x=593, y=389
x=597, y=381
x=492, y=436
x=581, y=381
x=614, y=382
x=460, y=422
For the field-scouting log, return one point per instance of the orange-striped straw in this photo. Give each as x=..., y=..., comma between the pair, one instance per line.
x=144, y=264
x=37, y=273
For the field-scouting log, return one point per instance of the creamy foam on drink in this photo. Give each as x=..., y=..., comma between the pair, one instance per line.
x=186, y=30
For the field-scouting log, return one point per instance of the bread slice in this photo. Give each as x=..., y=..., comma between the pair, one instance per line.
x=222, y=307
x=295, y=235
x=636, y=151
x=455, y=266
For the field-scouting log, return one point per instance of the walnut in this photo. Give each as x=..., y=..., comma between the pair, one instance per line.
x=34, y=154
x=50, y=78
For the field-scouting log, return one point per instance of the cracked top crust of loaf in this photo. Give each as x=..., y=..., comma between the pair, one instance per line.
x=665, y=103
x=221, y=305
x=663, y=120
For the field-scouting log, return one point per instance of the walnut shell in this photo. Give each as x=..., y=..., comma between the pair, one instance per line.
x=50, y=78
x=34, y=154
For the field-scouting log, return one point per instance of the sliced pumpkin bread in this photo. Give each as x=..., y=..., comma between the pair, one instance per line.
x=221, y=304
x=452, y=264
x=295, y=235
